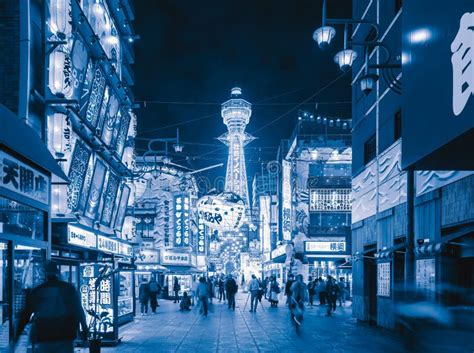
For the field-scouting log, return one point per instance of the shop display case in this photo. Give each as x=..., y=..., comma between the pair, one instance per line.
x=125, y=297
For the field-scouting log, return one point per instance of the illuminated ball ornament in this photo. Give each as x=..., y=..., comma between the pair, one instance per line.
x=224, y=212
x=323, y=36
x=345, y=58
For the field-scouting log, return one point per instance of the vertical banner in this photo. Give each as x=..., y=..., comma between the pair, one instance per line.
x=122, y=207
x=110, y=119
x=77, y=174
x=186, y=222
x=95, y=190
x=166, y=220
x=286, y=195
x=201, y=241
x=109, y=199
x=98, y=296
x=178, y=221
x=122, y=132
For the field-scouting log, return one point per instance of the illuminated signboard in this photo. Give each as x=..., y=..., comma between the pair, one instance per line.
x=281, y=250
x=186, y=228
x=23, y=179
x=108, y=245
x=122, y=207
x=326, y=245
x=77, y=174
x=80, y=237
x=286, y=195
x=201, y=236
x=178, y=221
x=175, y=258
x=100, y=298
x=265, y=234
x=331, y=199
x=95, y=190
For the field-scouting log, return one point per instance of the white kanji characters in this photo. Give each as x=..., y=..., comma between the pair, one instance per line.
x=105, y=286
x=462, y=61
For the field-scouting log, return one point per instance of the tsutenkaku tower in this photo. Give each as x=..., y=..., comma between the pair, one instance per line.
x=236, y=114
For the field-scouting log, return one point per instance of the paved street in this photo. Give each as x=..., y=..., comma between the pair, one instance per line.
x=242, y=331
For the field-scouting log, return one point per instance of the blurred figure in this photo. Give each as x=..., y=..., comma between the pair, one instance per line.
x=299, y=294
x=57, y=312
x=231, y=289
x=311, y=290
x=176, y=289
x=274, y=292
x=322, y=291
x=155, y=289
x=185, y=303
x=288, y=285
x=221, y=287
x=210, y=289
x=202, y=293
x=332, y=292
x=342, y=291
x=254, y=288
x=144, y=296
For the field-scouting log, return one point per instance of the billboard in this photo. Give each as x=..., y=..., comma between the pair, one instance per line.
x=438, y=85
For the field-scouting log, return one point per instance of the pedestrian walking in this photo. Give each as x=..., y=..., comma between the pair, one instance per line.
x=266, y=285
x=144, y=296
x=155, y=289
x=185, y=304
x=57, y=314
x=210, y=289
x=342, y=291
x=176, y=289
x=274, y=292
x=288, y=285
x=299, y=295
x=322, y=291
x=311, y=290
x=202, y=293
x=254, y=288
x=231, y=289
x=221, y=287
x=332, y=292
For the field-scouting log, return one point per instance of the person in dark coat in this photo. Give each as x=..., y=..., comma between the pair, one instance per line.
x=155, y=289
x=57, y=312
x=221, y=286
x=176, y=289
x=332, y=292
x=185, y=304
x=144, y=296
x=231, y=289
x=289, y=283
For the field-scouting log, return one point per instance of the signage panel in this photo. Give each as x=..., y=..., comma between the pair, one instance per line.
x=175, y=258
x=383, y=279
x=81, y=237
x=108, y=245
x=23, y=179
x=286, y=195
x=438, y=85
x=325, y=246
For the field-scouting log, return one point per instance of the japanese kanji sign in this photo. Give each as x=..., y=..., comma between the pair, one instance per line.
x=175, y=258
x=201, y=241
x=182, y=232
x=325, y=246
x=23, y=179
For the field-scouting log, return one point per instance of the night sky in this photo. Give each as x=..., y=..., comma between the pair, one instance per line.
x=191, y=53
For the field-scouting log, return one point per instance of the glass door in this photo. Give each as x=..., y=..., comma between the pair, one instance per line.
x=4, y=297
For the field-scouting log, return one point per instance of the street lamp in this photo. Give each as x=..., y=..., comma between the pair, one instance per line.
x=346, y=57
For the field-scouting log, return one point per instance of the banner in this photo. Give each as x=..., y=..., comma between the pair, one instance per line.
x=95, y=190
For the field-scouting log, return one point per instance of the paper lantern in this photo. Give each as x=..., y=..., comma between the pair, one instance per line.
x=224, y=212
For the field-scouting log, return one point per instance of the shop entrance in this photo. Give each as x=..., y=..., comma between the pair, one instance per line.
x=370, y=274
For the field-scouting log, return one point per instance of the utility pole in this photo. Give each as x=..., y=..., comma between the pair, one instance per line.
x=410, y=239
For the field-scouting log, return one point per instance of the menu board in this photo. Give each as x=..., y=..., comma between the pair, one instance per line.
x=426, y=277
x=99, y=299
x=125, y=298
x=383, y=279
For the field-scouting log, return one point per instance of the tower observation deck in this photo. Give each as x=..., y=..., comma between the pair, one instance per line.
x=236, y=114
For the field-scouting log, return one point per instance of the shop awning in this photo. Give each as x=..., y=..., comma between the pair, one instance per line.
x=21, y=138
x=388, y=253
x=151, y=267
x=441, y=245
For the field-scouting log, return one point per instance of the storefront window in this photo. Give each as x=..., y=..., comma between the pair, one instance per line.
x=20, y=219
x=4, y=298
x=28, y=272
x=125, y=298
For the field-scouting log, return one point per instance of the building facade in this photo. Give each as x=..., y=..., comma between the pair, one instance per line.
x=72, y=63
x=408, y=226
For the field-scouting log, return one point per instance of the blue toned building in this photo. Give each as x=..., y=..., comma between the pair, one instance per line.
x=412, y=225
x=67, y=68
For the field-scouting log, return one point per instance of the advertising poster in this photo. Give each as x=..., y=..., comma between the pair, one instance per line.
x=95, y=190
x=122, y=207
x=98, y=296
x=383, y=279
x=109, y=199
x=77, y=174
x=426, y=277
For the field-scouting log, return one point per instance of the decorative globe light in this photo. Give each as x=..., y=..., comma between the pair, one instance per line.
x=367, y=83
x=324, y=35
x=345, y=58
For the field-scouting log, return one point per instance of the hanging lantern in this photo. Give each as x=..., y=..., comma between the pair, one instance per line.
x=60, y=73
x=56, y=139
x=59, y=200
x=345, y=58
x=324, y=35
x=224, y=212
x=59, y=18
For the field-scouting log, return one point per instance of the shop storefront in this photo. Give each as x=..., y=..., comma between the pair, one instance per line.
x=182, y=266
x=88, y=259
x=26, y=168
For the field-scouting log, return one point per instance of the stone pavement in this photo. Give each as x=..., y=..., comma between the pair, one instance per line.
x=241, y=331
